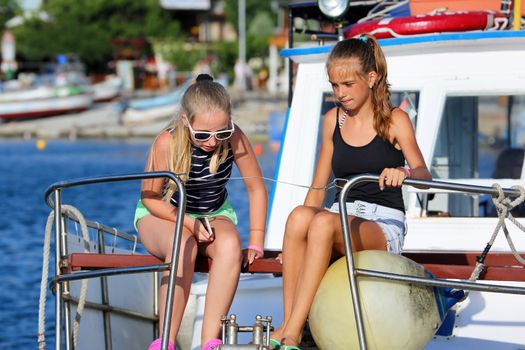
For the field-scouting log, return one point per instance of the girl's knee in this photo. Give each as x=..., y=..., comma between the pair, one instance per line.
x=323, y=226
x=228, y=247
x=300, y=213
x=298, y=222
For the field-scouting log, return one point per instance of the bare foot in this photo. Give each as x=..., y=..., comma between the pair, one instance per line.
x=288, y=339
x=275, y=338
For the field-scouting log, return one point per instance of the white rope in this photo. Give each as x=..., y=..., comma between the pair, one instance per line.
x=504, y=207
x=45, y=272
x=329, y=186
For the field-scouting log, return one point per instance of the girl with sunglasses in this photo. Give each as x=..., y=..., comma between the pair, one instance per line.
x=202, y=145
x=364, y=133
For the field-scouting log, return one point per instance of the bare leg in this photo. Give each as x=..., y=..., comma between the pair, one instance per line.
x=157, y=235
x=225, y=251
x=325, y=234
x=294, y=250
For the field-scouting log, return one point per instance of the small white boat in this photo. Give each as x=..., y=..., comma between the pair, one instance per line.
x=466, y=94
x=132, y=116
x=44, y=107
x=41, y=92
x=108, y=89
x=148, y=110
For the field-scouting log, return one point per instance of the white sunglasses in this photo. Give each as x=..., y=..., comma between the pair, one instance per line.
x=220, y=135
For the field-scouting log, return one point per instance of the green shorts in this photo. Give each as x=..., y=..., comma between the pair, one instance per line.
x=226, y=210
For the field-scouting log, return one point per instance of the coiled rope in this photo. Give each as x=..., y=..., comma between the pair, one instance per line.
x=504, y=207
x=70, y=210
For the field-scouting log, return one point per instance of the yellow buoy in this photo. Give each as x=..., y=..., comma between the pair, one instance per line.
x=396, y=315
x=41, y=144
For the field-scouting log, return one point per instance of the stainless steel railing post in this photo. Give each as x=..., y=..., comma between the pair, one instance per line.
x=350, y=265
x=174, y=263
x=66, y=290
x=105, y=294
x=58, y=291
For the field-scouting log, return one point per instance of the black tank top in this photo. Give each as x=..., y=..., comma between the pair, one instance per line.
x=349, y=161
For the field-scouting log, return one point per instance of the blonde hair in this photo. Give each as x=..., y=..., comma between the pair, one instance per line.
x=366, y=49
x=202, y=96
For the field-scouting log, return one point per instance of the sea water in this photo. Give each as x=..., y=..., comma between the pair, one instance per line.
x=26, y=171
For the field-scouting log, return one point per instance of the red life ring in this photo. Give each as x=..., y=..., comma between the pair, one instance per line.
x=431, y=23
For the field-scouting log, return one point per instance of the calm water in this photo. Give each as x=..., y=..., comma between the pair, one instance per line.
x=26, y=172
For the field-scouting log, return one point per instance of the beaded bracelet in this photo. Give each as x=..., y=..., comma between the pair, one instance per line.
x=256, y=248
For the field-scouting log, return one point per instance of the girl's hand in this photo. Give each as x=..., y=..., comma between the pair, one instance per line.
x=253, y=252
x=199, y=231
x=392, y=177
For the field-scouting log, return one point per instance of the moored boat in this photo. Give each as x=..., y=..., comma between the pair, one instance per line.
x=41, y=92
x=44, y=107
x=108, y=89
x=147, y=110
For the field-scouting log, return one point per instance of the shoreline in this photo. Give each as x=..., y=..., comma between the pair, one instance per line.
x=103, y=121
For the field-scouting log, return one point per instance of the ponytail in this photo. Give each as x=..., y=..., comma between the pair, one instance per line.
x=380, y=89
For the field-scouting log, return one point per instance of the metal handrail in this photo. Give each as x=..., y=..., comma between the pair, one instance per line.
x=353, y=272
x=60, y=246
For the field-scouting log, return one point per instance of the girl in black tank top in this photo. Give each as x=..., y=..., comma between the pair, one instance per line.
x=313, y=237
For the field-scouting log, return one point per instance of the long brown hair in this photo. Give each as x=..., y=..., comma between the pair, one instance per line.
x=202, y=96
x=366, y=49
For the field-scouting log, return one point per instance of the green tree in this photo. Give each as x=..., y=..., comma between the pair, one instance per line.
x=8, y=10
x=261, y=20
x=86, y=27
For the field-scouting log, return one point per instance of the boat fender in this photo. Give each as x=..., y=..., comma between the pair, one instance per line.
x=396, y=315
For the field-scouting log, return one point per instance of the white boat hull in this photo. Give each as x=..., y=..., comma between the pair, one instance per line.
x=44, y=107
x=146, y=116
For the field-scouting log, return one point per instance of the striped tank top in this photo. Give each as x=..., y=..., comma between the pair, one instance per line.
x=206, y=192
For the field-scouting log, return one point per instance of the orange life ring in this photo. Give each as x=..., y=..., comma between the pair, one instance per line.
x=430, y=23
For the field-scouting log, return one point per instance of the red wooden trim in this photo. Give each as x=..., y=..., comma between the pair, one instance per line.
x=40, y=113
x=494, y=273
x=500, y=266
x=93, y=261
x=467, y=258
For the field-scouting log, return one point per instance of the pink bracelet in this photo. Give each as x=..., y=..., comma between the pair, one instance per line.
x=256, y=248
x=408, y=172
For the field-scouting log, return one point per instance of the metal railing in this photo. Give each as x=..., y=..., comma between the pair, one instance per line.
x=61, y=249
x=354, y=272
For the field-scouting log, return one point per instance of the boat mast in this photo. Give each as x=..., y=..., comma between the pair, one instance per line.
x=242, y=32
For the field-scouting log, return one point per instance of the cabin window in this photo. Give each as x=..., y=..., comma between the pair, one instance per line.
x=407, y=101
x=474, y=132
x=480, y=137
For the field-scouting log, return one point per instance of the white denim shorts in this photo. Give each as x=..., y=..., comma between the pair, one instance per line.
x=391, y=221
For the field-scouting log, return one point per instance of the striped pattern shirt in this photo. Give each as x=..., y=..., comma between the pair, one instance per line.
x=206, y=192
